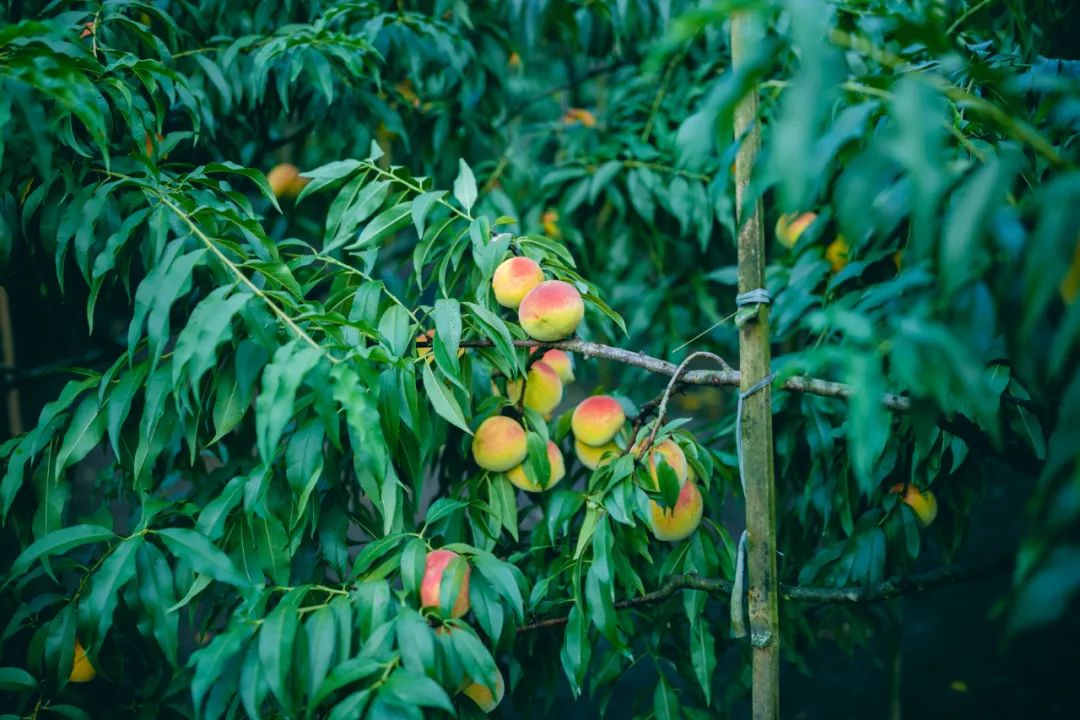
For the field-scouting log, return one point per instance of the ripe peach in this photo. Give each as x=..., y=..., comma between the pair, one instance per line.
x=593, y=457
x=543, y=389
x=481, y=694
x=670, y=453
x=285, y=180
x=561, y=363
x=923, y=502
x=551, y=311
x=679, y=522
x=597, y=420
x=518, y=477
x=513, y=280
x=789, y=227
x=81, y=670
x=499, y=444
x=430, y=586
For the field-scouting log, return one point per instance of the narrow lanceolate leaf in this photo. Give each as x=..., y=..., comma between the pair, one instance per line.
x=703, y=656
x=16, y=680
x=385, y=223
x=276, y=638
x=665, y=702
x=274, y=405
x=203, y=556
x=421, y=206
x=96, y=608
x=58, y=542
x=443, y=401
x=210, y=325
x=156, y=594
x=465, y=186
x=83, y=434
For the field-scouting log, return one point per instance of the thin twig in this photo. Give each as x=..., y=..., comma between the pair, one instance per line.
x=671, y=384
x=891, y=588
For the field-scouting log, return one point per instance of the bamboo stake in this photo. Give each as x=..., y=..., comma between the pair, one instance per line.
x=756, y=421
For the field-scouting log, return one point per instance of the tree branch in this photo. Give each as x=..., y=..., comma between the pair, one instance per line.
x=891, y=588
x=724, y=378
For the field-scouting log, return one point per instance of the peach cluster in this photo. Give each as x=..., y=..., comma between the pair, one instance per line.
x=500, y=443
x=791, y=226
x=548, y=310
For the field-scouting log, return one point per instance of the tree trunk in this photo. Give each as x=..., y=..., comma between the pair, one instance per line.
x=756, y=421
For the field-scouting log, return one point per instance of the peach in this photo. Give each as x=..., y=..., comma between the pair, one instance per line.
x=543, y=389
x=837, y=253
x=285, y=180
x=597, y=420
x=81, y=670
x=513, y=280
x=482, y=695
x=593, y=457
x=551, y=311
x=679, y=522
x=671, y=454
x=431, y=585
x=499, y=444
x=789, y=227
x=518, y=477
x=561, y=363
x=922, y=502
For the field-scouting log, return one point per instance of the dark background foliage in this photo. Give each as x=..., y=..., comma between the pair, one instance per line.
x=153, y=278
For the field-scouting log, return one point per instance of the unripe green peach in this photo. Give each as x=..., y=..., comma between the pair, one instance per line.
x=593, y=457
x=543, y=389
x=551, y=311
x=678, y=522
x=923, y=502
x=789, y=227
x=668, y=451
x=518, y=477
x=561, y=363
x=481, y=694
x=431, y=585
x=597, y=420
x=499, y=444
x=513, y=280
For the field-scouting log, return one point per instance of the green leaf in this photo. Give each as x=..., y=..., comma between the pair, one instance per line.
x=422, y=206
x=415, y=640
x=576, y=649
x=665, y=703
x=395, y=327
x=352, y=706
x=83, y=434
x=385, y=223
x=443, y=401
x=203, y=556
x=156, y=594
x=56, y=542
x=465, y=186
x=274, y=405
x=345, y=674
x=211, y=520
x=16, y=680
x=236, y=386
x=320, y=629
x=406, y=689
x=703, y=656
x=106, y=584
x=210, y=325
x=276, y=638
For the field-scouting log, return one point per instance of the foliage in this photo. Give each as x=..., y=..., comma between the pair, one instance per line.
x=275, y=459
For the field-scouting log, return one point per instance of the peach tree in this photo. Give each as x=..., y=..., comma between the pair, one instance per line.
x=387, y=410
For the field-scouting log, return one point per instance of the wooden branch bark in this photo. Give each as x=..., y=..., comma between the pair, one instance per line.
x=891, y=588
x=719, y=378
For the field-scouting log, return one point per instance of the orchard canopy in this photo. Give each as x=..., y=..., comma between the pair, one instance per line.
x=539, y=358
